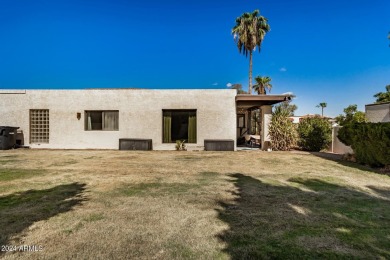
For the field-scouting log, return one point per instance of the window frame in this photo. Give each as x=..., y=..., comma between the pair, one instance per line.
x=179, y=110
x=102, y=113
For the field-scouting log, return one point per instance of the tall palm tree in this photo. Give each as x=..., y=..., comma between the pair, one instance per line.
x=249, y=33
x=322, y=106
x=261, y=84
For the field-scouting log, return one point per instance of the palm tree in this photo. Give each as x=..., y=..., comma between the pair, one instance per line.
x=249, y=32
x=261, y=84
x=322, y=106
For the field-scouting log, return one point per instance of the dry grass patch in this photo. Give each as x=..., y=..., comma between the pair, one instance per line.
x=192, y=205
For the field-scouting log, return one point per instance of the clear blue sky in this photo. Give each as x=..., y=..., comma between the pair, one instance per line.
x=333, y=51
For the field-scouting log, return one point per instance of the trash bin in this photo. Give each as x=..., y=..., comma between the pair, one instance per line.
x=7, y=137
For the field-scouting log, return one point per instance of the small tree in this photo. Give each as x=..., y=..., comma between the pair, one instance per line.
x=348, y=120
x=351, y=115
x=315, y=133
x=282, y=131
x=289, y=107
x=239, y=89
x=383, y=96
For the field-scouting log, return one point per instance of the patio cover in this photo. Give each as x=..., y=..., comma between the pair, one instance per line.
x=248, y=101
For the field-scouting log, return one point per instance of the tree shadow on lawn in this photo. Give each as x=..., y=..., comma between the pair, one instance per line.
x=20, y=210
x=339, y=159
x=309, y=219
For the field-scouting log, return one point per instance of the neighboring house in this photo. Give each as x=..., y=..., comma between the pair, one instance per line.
x=298, y=119
x=98, y=118
x=378, y=113
x=295, y=119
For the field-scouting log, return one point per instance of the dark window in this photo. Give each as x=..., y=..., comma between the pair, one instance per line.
x=179, y=125
x=102, y=120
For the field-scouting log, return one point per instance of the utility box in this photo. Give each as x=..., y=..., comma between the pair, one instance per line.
x=219, y=145
x=7, y=137
x=135, y=144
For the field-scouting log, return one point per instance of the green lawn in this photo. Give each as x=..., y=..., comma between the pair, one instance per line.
x=193, y=205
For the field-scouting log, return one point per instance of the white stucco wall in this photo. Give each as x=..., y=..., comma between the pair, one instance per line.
x=378, y=113
x=337, y=146
x=140, y=114
x=266, y=112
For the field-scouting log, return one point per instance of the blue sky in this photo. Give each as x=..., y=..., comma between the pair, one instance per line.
x=333, y=51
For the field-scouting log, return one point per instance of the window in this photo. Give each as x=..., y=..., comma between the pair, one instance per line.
x=179, y=125
x=39, y=126
x=102, y=120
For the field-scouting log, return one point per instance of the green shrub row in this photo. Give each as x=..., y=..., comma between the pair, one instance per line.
x=369, y=141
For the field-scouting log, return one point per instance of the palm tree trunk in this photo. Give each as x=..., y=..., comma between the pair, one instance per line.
x=250, y=73
x=322, y=112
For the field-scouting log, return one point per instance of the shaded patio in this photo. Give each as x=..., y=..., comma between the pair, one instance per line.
x=253, y=116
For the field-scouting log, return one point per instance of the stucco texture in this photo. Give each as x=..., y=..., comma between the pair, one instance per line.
x=378, y=113
x=140, y=115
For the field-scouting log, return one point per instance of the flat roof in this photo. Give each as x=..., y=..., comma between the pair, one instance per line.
x=377, y=104
x=12, y=91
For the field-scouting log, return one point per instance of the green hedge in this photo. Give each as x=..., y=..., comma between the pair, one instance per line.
x=369, y=141
x=315, y=133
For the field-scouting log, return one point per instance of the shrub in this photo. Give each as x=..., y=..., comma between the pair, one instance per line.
x=346, y=133
x=315, y=133
x=282, y=131
x=369, y=141
x=180, y=146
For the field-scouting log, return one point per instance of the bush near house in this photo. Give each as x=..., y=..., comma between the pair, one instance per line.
x=369, y=141
x=282, y=131
x=315, y=133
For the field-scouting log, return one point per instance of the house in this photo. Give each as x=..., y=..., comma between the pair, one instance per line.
x=378, y=113
x=295, y=119
x=99, y=118
x=298, y=119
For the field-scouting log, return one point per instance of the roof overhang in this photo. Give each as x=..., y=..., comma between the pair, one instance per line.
x=378, y=104
x=248, y=101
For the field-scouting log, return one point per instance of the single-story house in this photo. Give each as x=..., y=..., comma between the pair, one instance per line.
x=99, y=118
x=378, y=113
x=298, y=119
